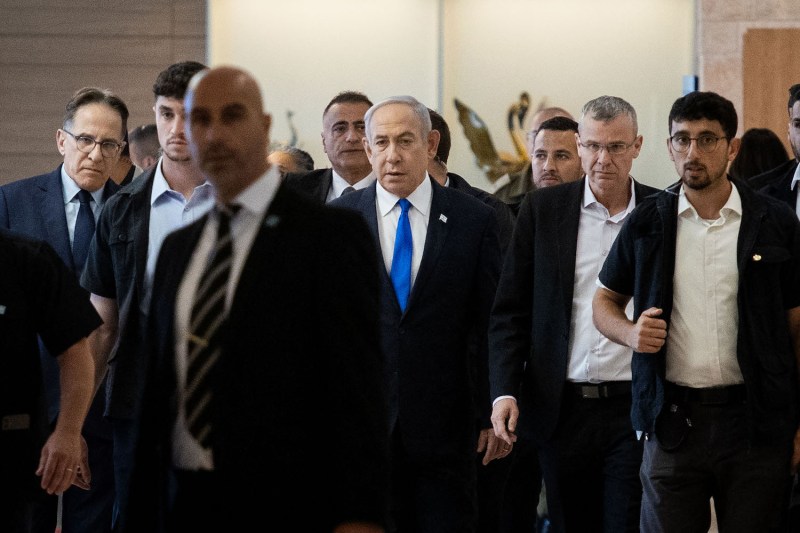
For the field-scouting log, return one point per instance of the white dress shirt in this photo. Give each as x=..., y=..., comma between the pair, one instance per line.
x=701, y=344
x=187, y=453
x=339, y=184
x=418, y=215
x=592, y=357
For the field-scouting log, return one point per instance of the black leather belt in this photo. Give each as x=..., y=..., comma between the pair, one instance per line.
x=606, y=389
x=708, y=395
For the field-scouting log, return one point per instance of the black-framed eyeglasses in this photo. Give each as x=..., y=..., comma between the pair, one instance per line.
x=706, y=142
x=86, y=144
x=616, y=148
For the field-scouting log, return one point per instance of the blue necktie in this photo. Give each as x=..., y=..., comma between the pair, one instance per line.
x=84, y=230
x=401, y=260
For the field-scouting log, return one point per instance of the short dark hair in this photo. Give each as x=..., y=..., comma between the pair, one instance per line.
x=794, y=96
x=559, y=124
x=95, y=95
x=438, y=123
x=172, y=81
x=348, y=97
x=707, y=105
x=761, y=150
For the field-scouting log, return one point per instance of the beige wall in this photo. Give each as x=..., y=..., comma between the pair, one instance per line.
x=49, y=49
x=721, y=26
x=566, y=52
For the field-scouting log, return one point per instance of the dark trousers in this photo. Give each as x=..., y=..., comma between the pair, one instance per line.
x=432, y=494
x=715, y=459
x=591, y=467
x=124, y=432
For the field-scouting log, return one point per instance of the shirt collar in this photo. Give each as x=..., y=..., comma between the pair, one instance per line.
x=160, y=185
x=732, y=205
x=420, y=198
x=258, y=196
x=589, y=198
x=70, y=189
x=338, y=183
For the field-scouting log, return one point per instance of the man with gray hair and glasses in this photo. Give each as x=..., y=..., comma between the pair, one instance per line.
x=556, y=379
x=60, y=208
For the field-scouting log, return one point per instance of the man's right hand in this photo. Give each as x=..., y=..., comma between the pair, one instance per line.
x=504, y=420
x=649, y=333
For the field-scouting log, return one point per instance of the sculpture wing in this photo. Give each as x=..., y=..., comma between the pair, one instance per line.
x=477, y=134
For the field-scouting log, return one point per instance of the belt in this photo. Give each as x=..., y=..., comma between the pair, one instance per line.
x=606, y=389
x=707, y=395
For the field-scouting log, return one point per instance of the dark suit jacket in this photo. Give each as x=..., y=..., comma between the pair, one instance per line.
x=314, y=185
x=436, y=385
x=117, y=261
x=533, y=309
x=35, y=207
x=299, y=416
x=505, y=215
x=776, y=182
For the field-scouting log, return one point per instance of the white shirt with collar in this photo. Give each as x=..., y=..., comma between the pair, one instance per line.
x=70, y=191
x=418, y=215
x=339, y=184
x=187, y=453
x=592, y=357
x=701, y=346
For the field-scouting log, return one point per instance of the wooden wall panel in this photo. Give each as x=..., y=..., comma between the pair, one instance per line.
x=769, y=68
x=50, y=48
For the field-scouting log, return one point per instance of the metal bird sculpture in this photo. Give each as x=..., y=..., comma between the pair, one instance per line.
x=493, y=163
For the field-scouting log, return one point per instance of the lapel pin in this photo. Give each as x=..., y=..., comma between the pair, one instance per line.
x=756, y=257
x=272, y=221
x=443, y=218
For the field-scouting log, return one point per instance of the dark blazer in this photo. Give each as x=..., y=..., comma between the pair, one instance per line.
x=120, y=245
x=314, y=185
x=776, y=182
x=505, y=215
x=299, y=416
x=532, y=312
x=436, y=385
x=35, y=207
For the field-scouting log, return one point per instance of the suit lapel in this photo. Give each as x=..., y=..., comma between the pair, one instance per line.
x=253, y=271
x=568, y=211
x=435, y=238
x=325, y=185
x=51, y=208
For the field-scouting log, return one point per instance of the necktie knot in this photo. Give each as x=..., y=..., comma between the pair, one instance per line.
x=84, y=197
x=347, y=190
x=228, y=210
x=404, y=206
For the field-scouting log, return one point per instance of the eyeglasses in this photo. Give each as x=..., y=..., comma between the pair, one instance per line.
x=617, y=148
x=706, y=142
x=86, y=144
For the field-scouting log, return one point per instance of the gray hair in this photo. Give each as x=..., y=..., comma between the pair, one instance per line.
x=606, y=109
x=419, y=109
